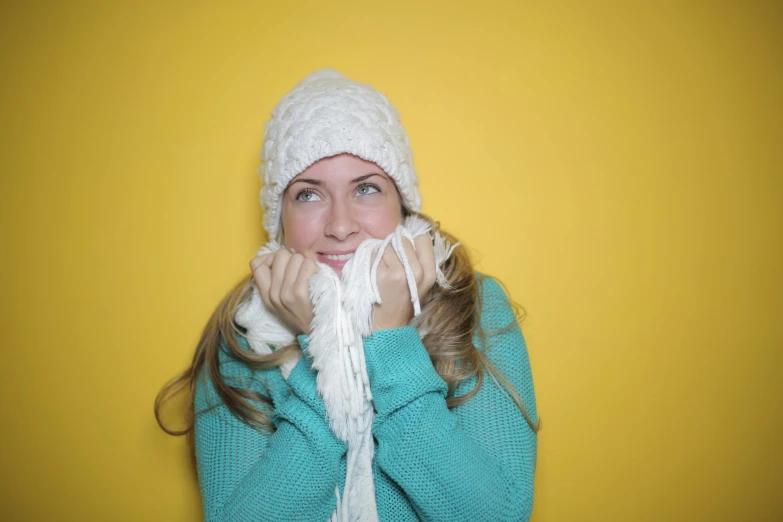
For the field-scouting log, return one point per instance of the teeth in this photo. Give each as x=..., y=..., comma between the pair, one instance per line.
x=343, y=257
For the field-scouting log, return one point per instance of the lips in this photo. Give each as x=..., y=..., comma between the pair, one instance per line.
x=336, y=259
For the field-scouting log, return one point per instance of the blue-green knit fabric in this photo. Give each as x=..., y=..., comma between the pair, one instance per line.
x=474, y=462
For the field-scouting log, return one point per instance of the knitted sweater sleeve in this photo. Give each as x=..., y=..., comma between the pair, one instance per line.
x=474, y=462
x=246, y=475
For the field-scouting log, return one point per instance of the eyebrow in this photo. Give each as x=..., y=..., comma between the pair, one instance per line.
x=317, y=182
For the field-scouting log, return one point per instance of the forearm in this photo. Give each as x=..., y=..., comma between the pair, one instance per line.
x=445, y=473
x=454, y=478
x=294, y=479
x=288, y=475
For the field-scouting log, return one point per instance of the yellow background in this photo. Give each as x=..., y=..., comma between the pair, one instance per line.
x=617, y=165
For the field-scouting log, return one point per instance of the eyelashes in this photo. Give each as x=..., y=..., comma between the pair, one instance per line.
x=368, y=185
x=302, y=192
x=359, y=189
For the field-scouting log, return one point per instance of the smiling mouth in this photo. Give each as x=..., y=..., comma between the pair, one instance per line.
x=340, y=257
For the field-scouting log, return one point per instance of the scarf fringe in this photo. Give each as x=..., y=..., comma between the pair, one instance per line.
x=342, y=316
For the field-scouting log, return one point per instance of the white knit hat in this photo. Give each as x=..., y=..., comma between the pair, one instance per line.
x=328, y=114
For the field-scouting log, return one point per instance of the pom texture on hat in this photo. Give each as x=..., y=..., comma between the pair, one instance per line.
x=327, y=114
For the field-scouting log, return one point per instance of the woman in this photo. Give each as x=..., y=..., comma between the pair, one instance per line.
x=453, y=407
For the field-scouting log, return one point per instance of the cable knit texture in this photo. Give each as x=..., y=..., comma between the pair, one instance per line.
x=474, y=462
x=327, y=114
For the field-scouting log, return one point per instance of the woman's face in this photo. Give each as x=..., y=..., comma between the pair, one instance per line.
x=337, y=203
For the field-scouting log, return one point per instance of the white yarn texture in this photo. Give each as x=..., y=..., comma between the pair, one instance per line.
x=328, y=114
x=343, y=308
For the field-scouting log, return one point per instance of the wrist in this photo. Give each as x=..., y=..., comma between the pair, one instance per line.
x=383, y=320
x=378, y=326
x=399, y=368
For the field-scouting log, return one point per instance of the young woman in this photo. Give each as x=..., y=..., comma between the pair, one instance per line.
x=453, y=414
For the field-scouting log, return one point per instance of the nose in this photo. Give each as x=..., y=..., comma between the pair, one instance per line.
x=341, y=224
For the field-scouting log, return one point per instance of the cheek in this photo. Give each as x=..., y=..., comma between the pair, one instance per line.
x=379, y=223
x=301, y=232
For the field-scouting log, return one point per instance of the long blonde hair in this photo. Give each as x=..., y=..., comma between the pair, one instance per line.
x=456, y=312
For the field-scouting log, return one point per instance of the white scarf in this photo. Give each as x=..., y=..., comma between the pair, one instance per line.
x=342, y=309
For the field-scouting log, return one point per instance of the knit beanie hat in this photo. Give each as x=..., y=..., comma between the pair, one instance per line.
x=328, y=114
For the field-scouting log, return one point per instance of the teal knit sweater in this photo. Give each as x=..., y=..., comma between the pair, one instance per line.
x=473, y=462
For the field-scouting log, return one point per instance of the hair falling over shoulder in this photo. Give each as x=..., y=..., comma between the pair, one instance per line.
x=456, y=311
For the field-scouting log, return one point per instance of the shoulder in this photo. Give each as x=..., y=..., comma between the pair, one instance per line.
x=494, y=303
x=234, y=372
x=489, y=286
x=501, y=339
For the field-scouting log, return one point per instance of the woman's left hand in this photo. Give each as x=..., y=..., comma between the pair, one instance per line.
x=396, y=309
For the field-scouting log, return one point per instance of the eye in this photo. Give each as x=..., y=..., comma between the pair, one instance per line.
x=367, y=188
x=306, y=195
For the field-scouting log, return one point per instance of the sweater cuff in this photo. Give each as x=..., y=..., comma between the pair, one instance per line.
x=311, y=423
x=399, y=368
x=304, y=407
x=302, y=380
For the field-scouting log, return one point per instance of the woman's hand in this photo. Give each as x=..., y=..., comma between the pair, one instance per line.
x=396, y=309
x=282, y=280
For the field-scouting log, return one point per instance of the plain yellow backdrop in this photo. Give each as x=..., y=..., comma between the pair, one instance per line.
x=617, y=165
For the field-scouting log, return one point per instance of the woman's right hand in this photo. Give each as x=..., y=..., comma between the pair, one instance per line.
x=282, y=279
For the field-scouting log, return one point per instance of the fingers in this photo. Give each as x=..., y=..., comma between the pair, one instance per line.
x=421, y=260
x=426, y=254
x=413, y=260
x=390, y=263
x=262, y=276
x=282, y=276
x=256, y=263
x=301, y=287
x=279, y=264
x=287, y=293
